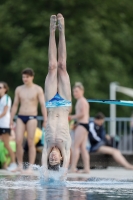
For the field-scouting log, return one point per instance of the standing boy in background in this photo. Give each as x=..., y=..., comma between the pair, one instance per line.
x=28, y=96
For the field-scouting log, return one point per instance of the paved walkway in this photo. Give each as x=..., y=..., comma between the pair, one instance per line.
x=110, y=172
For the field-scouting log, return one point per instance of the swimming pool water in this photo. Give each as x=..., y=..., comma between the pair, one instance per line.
x=31, y=188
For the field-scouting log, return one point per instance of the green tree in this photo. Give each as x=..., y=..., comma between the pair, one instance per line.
x=99, y=44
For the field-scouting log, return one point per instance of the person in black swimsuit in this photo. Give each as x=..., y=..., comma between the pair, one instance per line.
x=27, y=97
x=82, y=129
x=86, y=126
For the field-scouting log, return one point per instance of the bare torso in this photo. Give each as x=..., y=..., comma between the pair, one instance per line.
x=28, y=99
x=82, y=104
x=57, y=129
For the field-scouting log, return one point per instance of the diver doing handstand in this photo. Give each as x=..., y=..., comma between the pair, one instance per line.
x=56, y=151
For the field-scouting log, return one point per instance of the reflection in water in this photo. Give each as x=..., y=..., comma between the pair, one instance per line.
x=30, y=188
x=54, y=193
x=23, y=194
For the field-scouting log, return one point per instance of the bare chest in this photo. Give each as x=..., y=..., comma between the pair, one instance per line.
x=28, y=95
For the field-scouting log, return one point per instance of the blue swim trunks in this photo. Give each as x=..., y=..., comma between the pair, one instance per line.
x=57, y=101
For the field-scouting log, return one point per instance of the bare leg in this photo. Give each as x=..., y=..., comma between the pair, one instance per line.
x=64, y=87
x=4, y=166
x=84, y=152
x=79, y=141
x=31, y=128
x=20, y=129
x=118, y=157
x=51, y=79
x=5, y=138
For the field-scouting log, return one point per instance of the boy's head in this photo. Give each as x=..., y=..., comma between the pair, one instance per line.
x=27, y=76
x=99, y=118
x=55, y=159
x=78, y=90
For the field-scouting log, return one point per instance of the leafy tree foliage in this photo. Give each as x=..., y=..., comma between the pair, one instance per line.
x=99, y=43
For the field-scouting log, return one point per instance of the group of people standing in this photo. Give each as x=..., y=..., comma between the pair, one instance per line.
x=57, y=144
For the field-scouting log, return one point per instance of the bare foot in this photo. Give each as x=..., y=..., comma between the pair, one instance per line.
x=73, y=170
x=84, y=171
x=53, y=21
x=60, y=19
x=4, y=166
x=18, y=169
x=130, y=167
x=28, y=171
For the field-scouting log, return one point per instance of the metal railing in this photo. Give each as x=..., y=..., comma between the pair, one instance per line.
x=124, y=133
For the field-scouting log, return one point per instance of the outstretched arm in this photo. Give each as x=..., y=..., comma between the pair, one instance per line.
x=43, y=108
x=66, y=158
x=15, y=106
x=44, y=158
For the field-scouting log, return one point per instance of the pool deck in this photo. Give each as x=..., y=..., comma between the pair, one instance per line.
x=109, y=173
